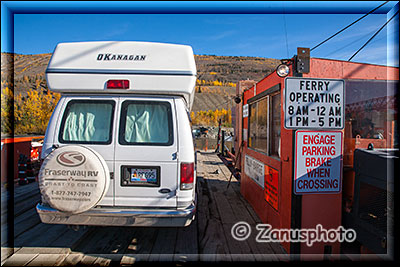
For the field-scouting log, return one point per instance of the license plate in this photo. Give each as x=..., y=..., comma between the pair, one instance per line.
x=141, y=175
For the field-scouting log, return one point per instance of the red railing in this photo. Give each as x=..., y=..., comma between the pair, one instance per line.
x=11, y=149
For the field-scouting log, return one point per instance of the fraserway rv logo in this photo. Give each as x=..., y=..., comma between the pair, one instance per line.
x=122, y=57
x=71, y=159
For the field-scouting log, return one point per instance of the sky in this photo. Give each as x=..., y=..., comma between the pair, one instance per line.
x=261, y=35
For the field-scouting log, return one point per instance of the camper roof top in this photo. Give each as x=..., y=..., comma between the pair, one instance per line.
x=136, y=57
x=150, y=68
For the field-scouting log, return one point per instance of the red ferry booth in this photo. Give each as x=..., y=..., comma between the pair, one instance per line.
x=270, y=149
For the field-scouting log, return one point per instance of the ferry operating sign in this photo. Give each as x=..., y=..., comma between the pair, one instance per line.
x=314, y=103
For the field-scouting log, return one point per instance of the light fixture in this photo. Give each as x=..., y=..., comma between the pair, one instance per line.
x=282, y=70
x=117, y=84
x=237, y=99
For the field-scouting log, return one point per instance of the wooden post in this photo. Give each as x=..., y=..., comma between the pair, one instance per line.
x=218, y=136
x=223, y=143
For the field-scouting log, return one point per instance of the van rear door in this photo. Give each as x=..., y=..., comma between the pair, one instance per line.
x=146, y=165
x=87, y=121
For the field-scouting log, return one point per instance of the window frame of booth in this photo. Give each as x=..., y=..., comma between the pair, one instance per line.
x=265, y=95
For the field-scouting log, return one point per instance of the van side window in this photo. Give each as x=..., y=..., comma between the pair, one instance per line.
x=146, y=123
x=87, y=122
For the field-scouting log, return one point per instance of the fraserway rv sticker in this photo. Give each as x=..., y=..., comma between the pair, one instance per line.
x=254, y=169
x=318, y=162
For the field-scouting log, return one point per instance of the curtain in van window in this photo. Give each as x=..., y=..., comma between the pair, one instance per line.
x=88, y=122
x=147, y=123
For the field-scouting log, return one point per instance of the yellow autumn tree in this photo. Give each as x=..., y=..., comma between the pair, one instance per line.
x=7, y=99
x=217, y=83
x=32, y=113
x=211, y=117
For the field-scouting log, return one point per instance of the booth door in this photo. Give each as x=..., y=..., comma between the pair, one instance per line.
x=265, y=142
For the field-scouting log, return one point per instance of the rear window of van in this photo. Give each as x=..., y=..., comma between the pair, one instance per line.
x=146, y=123
x=87, y=122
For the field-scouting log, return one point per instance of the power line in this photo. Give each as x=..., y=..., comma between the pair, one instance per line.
x=373, y=36
x=348, y=26
x=284, y=23
x=349, y=44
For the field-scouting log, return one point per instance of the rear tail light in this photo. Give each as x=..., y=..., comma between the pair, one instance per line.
x=118, y=84
x=187, y=176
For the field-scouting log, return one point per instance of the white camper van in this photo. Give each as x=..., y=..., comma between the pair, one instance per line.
x=118, y=150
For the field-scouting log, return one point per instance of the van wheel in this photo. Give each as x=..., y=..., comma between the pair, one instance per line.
x=73, y=179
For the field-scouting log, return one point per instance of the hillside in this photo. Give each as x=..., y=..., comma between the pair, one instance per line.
x=217, y=75
x=28, y=71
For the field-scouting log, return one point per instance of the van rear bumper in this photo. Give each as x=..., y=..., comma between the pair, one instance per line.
x=108, y=216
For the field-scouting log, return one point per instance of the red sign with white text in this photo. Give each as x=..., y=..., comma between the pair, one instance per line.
x=318, y=162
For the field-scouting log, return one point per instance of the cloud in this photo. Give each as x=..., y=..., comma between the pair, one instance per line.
x=124, y=28
x=221, y=35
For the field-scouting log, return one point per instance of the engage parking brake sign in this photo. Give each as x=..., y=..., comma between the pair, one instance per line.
x=318, y=162
x=314, y=103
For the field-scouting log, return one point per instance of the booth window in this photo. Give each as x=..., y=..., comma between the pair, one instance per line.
x=275, y=115
x=258, y=128
x=371, y=113
x=265, y=124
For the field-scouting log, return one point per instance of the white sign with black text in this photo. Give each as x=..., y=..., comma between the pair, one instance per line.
x=314, y=103
x=245, y=111
x=254, y=169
